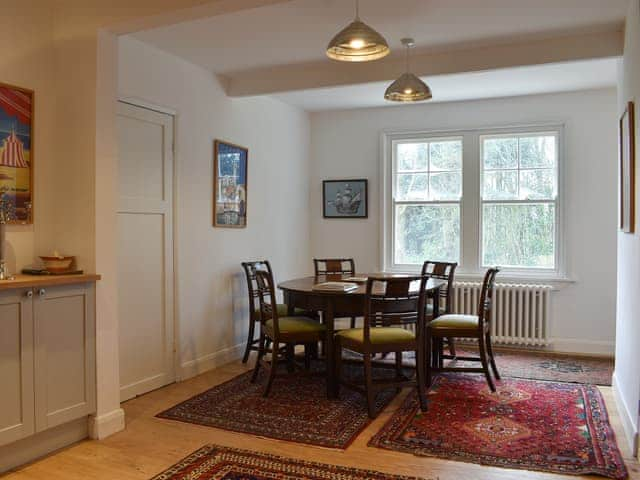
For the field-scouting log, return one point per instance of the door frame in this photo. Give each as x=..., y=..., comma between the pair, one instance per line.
x=163, y=109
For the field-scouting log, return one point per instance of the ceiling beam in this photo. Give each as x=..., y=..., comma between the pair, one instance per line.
x=581, y=46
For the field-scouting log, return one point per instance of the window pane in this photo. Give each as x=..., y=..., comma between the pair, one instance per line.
x=537, y=152
x=500, y=185
x=446, y=186
x=412, y=186
x=446, y=155
x=427, y=232
x=412, y=156
x=537, y=184
x=500, y=153
x=518, y=235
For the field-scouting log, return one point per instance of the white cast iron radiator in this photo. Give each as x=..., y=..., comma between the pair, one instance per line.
x=520, y=313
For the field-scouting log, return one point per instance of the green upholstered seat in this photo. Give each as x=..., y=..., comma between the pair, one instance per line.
x=296, y=325
x=378, y=335
x=455, y=321
x=283, y=310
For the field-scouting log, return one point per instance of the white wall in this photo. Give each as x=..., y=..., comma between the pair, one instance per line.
x=627, y=372
x=346, y=144
x=212, y=304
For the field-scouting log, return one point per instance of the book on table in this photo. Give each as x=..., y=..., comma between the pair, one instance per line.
x=336, y=286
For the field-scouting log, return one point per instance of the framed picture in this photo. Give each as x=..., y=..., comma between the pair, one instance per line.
x=16, y=153
x=229, y=185
x=344, y=198
x=627, y=169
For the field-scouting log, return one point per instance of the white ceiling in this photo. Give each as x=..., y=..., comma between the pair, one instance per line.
x=298, y=31
x=580, y=75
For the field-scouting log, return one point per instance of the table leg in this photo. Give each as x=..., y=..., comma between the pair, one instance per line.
x=332, y=383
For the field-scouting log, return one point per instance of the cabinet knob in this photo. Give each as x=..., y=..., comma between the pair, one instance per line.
x=42, y=292
x=29, y=294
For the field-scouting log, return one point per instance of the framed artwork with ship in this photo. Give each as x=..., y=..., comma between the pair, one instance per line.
x=344, y=198
x=229, y=185
x=16, y=153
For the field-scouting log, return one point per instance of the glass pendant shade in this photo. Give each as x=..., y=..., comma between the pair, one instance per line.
x=357, y=42
x=408, y=88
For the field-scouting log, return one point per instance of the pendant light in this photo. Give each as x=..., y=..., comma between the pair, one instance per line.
x=408, y=88
x=357, y=42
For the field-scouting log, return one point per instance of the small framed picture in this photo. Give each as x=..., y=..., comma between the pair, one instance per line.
x=344, y=198
x=627, y=170
x=16, y=154
x=229, y=185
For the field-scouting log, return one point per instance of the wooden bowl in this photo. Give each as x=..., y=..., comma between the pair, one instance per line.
x=57, y=264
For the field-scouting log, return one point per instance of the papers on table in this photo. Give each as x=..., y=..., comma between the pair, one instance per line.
x=335, y=286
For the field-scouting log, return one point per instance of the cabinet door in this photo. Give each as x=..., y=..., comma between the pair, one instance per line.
x=64, y=354
x=16, y=366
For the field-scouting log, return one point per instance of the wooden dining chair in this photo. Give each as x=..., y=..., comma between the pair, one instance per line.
x=390, y=304
x=444, y=271
x=465, y=326
x=335, y=268
x=250, y=269
x=276, y=330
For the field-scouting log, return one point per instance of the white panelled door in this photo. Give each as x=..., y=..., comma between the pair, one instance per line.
x=145, y=250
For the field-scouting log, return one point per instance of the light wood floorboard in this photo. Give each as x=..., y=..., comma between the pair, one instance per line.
x=150, y=445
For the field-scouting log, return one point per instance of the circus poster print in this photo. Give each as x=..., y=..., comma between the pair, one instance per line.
x=16, y=153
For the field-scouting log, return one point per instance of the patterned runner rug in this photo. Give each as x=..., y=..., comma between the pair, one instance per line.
x=296, y=410
x=533, y=425
x=541, y=366
x=220, y=463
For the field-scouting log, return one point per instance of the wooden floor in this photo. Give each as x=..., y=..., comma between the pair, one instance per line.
x=150, y=445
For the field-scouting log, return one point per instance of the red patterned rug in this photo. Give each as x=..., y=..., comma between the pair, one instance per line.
x=220, y=463
x=296, y=410
x=533, y=425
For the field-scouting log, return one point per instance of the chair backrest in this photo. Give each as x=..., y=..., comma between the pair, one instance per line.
x=395, y=301
x=250, y=269
x=267, y=299
x=334, y=266
x=486, y=296
x=444, y=271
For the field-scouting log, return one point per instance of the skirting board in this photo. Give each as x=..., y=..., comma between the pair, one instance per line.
x=628, y=419
x=41, y=444
x=579, y=346
x=210, y=361
x=102, y=426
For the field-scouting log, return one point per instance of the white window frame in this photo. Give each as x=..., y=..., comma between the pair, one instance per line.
x=470, y=264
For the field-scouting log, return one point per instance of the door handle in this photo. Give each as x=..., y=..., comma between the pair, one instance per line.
x=29, y=294
x=42, y=292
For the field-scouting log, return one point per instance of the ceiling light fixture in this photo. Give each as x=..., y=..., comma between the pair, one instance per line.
x=408, y=88
x=357, y=42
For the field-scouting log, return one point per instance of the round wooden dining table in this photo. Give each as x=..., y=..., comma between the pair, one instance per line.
x=300, y=293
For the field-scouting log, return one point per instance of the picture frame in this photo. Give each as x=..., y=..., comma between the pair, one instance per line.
x=17, y=118
x=230, y=169
x=345, y=198
x=627, y=169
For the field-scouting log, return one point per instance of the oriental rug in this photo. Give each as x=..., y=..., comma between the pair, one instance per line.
x=526, y=424
x=296, y=410
x=213, y=462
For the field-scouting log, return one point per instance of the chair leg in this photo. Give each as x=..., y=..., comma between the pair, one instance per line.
x=262, y=346
x=398, y=356
x=428, y=360
x=353, y=322
x=368, y=379
x=491, y=357
x=420, y=368
x=440, y=352
x=290, y=357
x=337, y=364
x=308, y=348
x=272, y=370
x=485, y=364
x=452, y=346
x=250, y=338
